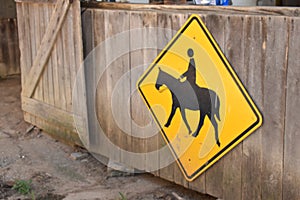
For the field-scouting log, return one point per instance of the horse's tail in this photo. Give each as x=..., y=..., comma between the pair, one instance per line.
x=217, y=107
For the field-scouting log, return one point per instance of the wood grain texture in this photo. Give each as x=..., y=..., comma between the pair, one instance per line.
x=142, y=36
x=9, y=48
x=48, y=40
x=49, y=104
x=291, y=170
x=255, y=34
x=234, y=51
x=220, y=10
x=262, y=47
x=274, y=79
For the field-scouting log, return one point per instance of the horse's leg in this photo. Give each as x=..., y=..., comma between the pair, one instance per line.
x=215, y=124
x=201, y=122
x=171, y=115
x=185, y=120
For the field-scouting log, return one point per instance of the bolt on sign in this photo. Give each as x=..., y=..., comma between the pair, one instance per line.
x=197, y=100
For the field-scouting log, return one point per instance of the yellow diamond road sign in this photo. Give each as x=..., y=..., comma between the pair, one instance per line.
x=197, y=100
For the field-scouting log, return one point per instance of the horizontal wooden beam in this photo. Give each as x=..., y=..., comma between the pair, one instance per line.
x=274, y=11
x=49, y=113
x=36, y=1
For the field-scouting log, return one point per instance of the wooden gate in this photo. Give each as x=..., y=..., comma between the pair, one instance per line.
x=51, y=54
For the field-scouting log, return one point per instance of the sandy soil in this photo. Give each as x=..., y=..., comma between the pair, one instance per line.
x=54, y=174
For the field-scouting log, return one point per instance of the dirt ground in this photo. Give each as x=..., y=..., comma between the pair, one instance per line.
x=33, y=155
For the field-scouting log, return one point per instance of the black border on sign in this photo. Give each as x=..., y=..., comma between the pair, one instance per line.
x=230, y=70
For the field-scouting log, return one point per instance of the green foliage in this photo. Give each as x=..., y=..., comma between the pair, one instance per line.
x=22, y=187
x=122, y=196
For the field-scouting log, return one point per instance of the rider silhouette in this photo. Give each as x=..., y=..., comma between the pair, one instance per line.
x=190, y=73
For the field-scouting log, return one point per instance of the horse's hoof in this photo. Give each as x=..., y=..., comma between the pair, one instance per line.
x=167, y=125
x=218, y=143
x=195, y=134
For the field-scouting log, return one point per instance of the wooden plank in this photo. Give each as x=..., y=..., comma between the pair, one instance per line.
x=11, y=37
x=48, y=40
x=27, y=44
x=276, y=39
x=61, y=71
x=136, y=60
x=78, y=72
x=98, y=35
x=142, y=37
x=15, y=43
x=234, y=51
x=48, y=72
x=88, y=24
x=36, y=38
x=21, y=37
x=214, y=175
x=66, y=36
x=291, y=170
x=53, y=69
x=115, y=69
x=255, y=36
x=87, y=32
x=3, y=66
x=54, y=130
x=8, y=9
x=50, y=113
x=37, y=1
x=220, y=10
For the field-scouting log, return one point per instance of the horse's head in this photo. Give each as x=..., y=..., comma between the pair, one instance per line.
x=159, y=80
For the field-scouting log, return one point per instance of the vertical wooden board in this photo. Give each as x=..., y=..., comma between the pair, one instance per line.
x=87, y=31
x=32, y=32
x=13, y=53
x=136, y=59
x=117, y=22
x=234, y=51
x=53, y=70
x=16, y=48
x=3, y=66
x=214, y=175
x=143, y=35
x=72, y=40
x=21, y=37
x=27, y=44
x=252, y=146
x=94, y=32
x=48, y=80
x=60, y=71
x=274, y=105
x=98, y=41
x=291, y=170
x=76, y=65
x=164, y=21
x=36, y=37
x=66, y=33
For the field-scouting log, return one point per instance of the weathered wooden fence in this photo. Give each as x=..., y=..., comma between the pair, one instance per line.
x=51, y=52
x=261, y=43
x=9, y=46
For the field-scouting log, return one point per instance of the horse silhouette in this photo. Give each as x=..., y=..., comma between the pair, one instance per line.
x=192, y=97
